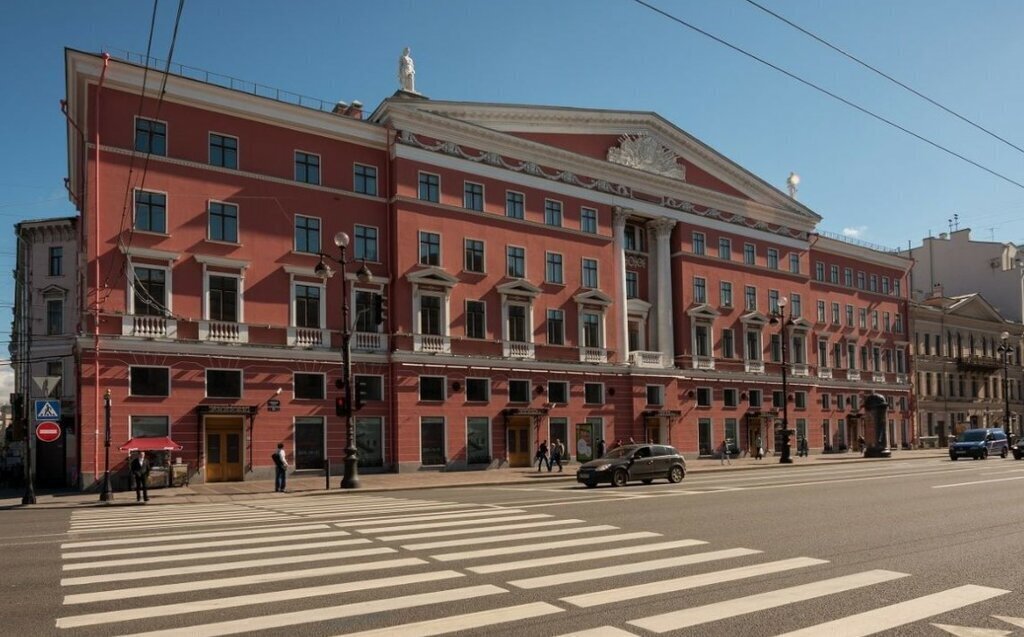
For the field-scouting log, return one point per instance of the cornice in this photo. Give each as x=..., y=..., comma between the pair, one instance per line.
x=842, y=248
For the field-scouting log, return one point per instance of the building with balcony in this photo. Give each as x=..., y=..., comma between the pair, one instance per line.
x=567, y=273
x=968, y=372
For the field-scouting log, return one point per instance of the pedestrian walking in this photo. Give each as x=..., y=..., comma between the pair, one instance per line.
x=801, y=447
x=280, y=468
x=542, y=455
x=600, y=448
x=557, y=451
x=139, y=468
x=723, y=449
x=760, y=450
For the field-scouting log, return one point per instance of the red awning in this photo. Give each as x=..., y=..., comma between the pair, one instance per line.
x=150, y=444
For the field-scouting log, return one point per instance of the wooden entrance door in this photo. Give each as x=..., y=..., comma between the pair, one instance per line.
x=653, y=426
x=518, y=440
x=224, y=448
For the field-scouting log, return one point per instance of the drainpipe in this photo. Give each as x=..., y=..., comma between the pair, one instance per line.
x=393, y=274
x=96, y=272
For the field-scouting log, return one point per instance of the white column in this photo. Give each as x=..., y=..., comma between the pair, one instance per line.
x=666, y=333
x=619, y=216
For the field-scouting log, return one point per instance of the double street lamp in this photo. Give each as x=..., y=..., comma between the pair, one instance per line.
x=350, y=480
x=778, y=317
x=1004, y=349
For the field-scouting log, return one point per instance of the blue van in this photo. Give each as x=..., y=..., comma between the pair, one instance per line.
x=979, y=444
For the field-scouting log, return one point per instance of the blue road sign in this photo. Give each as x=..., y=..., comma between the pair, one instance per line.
x=47, y=410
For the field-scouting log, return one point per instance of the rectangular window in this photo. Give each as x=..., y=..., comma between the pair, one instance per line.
x=223, y=151
x=800, y=399
x=837, y=355
x=795, y=305
x=591, y=330
x=655, y=395
x=702, y=340
x=432, y=442
x=849, y=316
x=725, y=294
x=885, y=285
x=478, y=390
x=773, y=259
x=700, y=290
x=588, y=220
x=777, y=399
x=897, y=325
x=558, y=392
x=750, y=298
x=518, y=391
x=821, y=311
x=150, y=211
x=874, y=320
x=590, y=273
x=150, y=137
x=553, y=267
x=833, y=274
x=755, y=399
x=819, y=271
x=848, y=277
x=476, y=319
x=432, y=388
x=309, y=442
x=860, y=280
x=633, y=237
x=307, y=167
x=224, y=383
x=556, y=327
x=632, y=285
x=150, y=427
x=826, y=401
x=223, y=291
x=886, y=321
x=307, y=306
x=430, y=315
x=307, y=234
x=56, y=261
x=473, y=260
x=835, y=314
x=775, y=346
x=753, y=349
x=514, y=204
x=728, y=343
x=698, y=243
x=794, y=263
x=552, y=212
x=896, y=287
x=725, y=249
x=149, y=381
x=54, y=317
x=749, y=254
x=364, y=179
x=773, y=300
x=309, y=386
x=703, y=396
x=593, y=393
x=517, y=323
x=223, y=222
x=430, y=187
x=873, y=283
x=704, y=435
x=473, y=196
x=478, y=440
x=365, y=244
x=730, y=397
x=370, y=388
x=862, y=318
x=149, y=291
x=515, y=261
x=430, y=248
x=366, y=307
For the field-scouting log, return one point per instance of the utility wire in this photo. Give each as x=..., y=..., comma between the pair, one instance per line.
x=829, y=93
x=886, y=76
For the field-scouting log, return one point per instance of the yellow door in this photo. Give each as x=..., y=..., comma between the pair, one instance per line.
x=653, y=426
x=224, y=449
x=518, y=439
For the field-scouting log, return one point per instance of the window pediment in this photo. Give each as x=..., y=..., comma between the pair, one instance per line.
x=754, y=318
x=801, y=324
x=222, y=262
x=593, y=297
x=638, y=307
x=54, y=292
x=519, y=287
x=703, y=311
x=432, y=275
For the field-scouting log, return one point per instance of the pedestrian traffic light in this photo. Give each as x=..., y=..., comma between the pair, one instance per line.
x=380, y=309
x=361, y=391
x=341, y=406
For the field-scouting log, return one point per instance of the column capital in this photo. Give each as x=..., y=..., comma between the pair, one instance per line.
x=620, y=215
x=662, y=226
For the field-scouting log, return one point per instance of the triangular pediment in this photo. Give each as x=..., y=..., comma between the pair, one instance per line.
x=800, y=323
x=638, y=307
x=976, y=307
x=754, y=318
x=520, y=287
x=593, y=297
x=702, y=311
x=432, y=275
x=53, y=291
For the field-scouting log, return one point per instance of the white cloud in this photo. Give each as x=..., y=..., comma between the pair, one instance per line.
x=855, y=232
x=6, y=383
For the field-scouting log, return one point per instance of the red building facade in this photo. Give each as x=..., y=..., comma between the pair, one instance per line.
x=546, y=272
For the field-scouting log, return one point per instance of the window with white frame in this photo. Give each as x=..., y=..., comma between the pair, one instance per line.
x=655, y=395
x=514, y=204
x=849, y=316
x=593, y=393
x=309, y=386
x=476, y=319
x=367, y=304
x=429, y=187
x=795, y=305
x=773, y=259
x=552, y=212
x=699, y=243
x=556, y=327
x=704, y=396
x=725, y=294
x=307, y=234
x=819, y=271
x=516, y=321
x=702, y=339
x=431, y=307
x=750, y=298
x=223, y=151
x=821, y=311
x=223, y=222
x=307, y=167
x=754, y=348
x=591, y=329
x=632, y=285
x=794, y=263
x=558, y=392
x=478, y=390
x=833, y=274
x=728, y=343
x=724, y=249
x=149, y=291
x=515, y=261
x=478, y=440
x=365, y=243
x=773, y=300
x=835, y=314
x=848, y=277
x=150, y=211
x=307, y=305
x=430, y=248
x=149, y=381
x=755, y=398
x=518, y=391
x=588, y=220
x=473, y=258
x=150, y=136
x=223, y=298
x=749, y=254
x=633, y=236
x=553, y=268
x=590, y=273
x=730, y=397
x=150, y=427
x=364, y=179
x=700, y=290
x=473, y=196
x=433, y=388
x=223, y=383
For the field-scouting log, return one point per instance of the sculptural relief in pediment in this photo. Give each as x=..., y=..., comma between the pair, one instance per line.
x=645, y=152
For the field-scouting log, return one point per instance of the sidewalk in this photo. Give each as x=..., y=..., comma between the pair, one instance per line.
x=308, y=485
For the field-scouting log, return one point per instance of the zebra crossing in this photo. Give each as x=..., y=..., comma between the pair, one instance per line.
x=376, y=565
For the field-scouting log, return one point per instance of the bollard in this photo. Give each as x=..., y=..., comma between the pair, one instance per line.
x=327, y=473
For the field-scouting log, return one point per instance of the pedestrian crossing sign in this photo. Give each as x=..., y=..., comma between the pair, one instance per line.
x=47, y=410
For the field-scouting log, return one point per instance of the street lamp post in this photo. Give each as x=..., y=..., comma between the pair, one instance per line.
x=107, y=495
x=350, y=479
x=1005, y=350
x=778, y=317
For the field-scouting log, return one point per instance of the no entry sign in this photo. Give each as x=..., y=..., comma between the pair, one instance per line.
x=48, y=431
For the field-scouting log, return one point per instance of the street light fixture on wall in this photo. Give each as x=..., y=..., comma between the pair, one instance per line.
x=350, y=479
x=777, y=316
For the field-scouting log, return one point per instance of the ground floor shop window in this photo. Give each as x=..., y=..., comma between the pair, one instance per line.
x=370, y=441
x=704, y=444
x=732, y=435
x=588, y=435
x=559, y=430
x=478, y=440
x=432, y=441
x=309, y=443
x=801, y=428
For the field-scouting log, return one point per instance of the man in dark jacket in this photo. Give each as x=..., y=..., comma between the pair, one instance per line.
x=140, y=472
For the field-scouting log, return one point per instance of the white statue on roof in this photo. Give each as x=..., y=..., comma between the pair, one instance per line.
x=406, y=72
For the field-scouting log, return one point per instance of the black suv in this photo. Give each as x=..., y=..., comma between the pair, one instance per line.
x=634, y=462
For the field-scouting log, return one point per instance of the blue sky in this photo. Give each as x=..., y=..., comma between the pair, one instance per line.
x=859, y=174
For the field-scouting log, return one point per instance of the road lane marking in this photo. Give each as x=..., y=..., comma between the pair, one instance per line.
x=490, y=539
x=121, y=594
x=595, y=574
x=205, y=555
x=222, y=566
x=468, y=621
x=542, y=546
x=183, y=608
x=164, y=548
x=426, y=517
x=968, y=484
x=485, y=529
x=879, y=619
x=601, y=631
x=281, y=620
x=685, y=618
x=440, y=523
x=151, y=539
x=502, y=567
x=619, y=594
x=106, y=528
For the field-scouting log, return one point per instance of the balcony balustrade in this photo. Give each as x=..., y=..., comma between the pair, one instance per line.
x=223, y=332
x=902, y=379
x=312, y=337
x=369, y=342
x=877, y=377
x=754, y=367
x=825, y=372
x=703, y=362
x=853, y=374
x=432, y=344
x=800, y=370
x=149, y=326
x=518, y=349
x=593, y=355
x=646, y=359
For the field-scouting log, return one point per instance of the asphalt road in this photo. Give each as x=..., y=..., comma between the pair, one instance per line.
x=904, y=548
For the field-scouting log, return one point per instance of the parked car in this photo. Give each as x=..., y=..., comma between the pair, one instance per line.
x=979, y=444
x=1017, y=449
x=634, y=462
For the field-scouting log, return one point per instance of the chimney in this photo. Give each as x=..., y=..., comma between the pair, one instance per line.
x=354, y=110
x=937, y=291
x=340, y=108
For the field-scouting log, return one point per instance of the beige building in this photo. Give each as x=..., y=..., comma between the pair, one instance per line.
x=967, y=367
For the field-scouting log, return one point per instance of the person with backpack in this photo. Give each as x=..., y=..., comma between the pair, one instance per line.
x=557, y=451
x=542, y=455
x=280, y=468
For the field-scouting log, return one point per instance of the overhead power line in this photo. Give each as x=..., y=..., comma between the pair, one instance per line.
x=829, y=93
x=886, y=76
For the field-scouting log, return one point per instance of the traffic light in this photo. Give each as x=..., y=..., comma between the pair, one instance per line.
x=380, y=309
x=361, y=390
x=341, y=406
